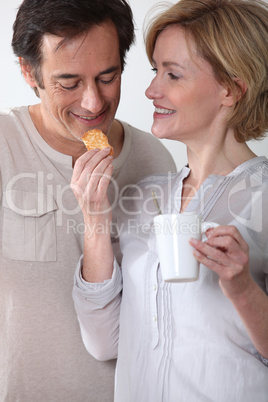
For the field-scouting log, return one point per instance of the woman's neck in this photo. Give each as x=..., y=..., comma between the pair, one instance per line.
x=217, y=159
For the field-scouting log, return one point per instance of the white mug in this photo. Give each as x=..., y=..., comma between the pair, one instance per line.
x=173, y=232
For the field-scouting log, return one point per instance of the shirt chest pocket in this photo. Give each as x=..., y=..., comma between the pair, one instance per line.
x=29, y=226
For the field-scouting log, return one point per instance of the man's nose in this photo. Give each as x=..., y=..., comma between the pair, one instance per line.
x=92, y=99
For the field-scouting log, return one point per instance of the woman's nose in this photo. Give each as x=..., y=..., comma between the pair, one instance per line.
x=154, y=90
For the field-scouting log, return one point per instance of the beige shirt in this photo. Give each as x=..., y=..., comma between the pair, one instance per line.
x=42, y=357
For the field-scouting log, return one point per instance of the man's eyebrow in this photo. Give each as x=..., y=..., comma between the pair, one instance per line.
x=70, y=76
x=65, y=76
x=110, y=70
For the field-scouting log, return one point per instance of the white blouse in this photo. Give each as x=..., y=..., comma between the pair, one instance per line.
x=179, y=342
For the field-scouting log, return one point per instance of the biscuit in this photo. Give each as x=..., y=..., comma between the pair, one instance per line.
x=96, y=139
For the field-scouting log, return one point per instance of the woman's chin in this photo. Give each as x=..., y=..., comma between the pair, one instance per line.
x=160, y=134
x=158, y=131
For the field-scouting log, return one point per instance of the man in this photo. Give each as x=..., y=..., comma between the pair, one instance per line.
x=72, y=54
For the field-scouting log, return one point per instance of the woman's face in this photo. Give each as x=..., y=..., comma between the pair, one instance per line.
x=188, y=99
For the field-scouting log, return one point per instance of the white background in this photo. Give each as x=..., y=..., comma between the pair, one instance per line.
x=134, y=108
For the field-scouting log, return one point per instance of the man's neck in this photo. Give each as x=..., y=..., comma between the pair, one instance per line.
x=64, y=145
x=116, y=137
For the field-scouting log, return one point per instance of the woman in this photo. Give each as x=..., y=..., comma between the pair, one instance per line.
x=206, y=340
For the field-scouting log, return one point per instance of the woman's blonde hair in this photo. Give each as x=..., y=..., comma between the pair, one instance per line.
x=232, y=35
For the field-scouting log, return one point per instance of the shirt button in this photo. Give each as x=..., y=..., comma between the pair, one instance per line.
x=154, y=318
x=155, y=287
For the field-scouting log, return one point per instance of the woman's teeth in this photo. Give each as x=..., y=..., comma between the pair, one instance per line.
x=164, y=111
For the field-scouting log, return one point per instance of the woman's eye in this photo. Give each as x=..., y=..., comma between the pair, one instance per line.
x=70, y=88
x=154, y=70
x=173, y=77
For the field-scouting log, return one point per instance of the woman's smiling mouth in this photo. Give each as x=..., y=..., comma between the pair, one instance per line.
x=163, y=111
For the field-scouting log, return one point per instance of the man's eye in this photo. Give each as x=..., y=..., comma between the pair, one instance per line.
x=106, y=82
x=69, y=88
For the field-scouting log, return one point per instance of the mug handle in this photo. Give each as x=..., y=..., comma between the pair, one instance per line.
x=205, y=226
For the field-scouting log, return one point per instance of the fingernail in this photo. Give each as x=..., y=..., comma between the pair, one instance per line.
x=209, y=232
x=193, y=241
x=196, y=253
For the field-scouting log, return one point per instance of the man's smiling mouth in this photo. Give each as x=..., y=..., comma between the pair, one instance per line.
x=87, y=117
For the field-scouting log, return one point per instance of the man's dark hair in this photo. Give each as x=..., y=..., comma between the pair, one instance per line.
x=67, y=18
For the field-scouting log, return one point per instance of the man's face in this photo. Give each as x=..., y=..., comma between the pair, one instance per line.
x=81, y=80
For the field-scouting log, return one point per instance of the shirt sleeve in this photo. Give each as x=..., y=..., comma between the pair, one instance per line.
x=98, y=307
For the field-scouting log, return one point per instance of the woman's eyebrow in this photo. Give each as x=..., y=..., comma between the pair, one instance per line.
x=169, y=64
x=172, y=64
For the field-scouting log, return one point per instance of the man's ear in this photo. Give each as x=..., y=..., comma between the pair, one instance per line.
x=232, y=97
x=27, y=72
